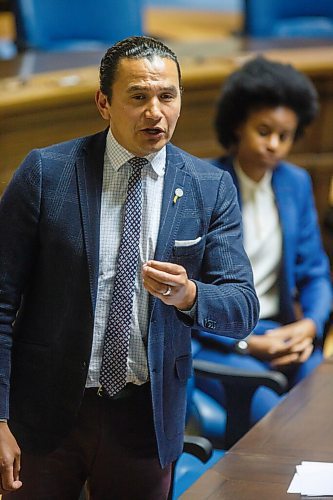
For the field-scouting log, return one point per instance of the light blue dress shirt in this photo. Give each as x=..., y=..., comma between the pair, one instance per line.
x=115, y=180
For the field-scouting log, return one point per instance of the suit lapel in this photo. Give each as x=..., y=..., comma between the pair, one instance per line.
x=90, y=179
x=283, y=197
x=284, y=200
x=171, y=211
x=282, y=194
x=228, y=166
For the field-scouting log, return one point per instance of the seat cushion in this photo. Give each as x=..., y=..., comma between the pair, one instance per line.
x=189, y=469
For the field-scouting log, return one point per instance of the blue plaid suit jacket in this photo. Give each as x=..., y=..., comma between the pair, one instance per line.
x=49, y=226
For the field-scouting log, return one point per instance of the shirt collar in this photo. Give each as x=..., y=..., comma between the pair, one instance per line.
x=118, y=155
x=249, y=185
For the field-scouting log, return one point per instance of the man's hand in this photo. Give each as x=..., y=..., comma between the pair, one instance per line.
x=159, y=276
x=10, y=455
x=286, y=345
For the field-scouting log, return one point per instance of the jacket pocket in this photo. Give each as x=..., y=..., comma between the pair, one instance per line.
x=184, y=367
x=184, y=248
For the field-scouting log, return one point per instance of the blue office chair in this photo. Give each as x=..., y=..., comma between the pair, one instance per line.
x=225, y=425
x=198, y=453
x=58, y=25
x=208, y=419
x=197, y=457
x=289, y=18
x=239, y=387
x=7, y=49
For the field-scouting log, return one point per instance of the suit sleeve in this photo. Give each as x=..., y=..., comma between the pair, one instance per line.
x=226, y=300
x=312, y=267
x=19, y=213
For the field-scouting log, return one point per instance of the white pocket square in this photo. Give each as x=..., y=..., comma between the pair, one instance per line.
x=187, y=243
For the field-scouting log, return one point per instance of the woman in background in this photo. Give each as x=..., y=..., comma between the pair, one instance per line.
x=264, y=107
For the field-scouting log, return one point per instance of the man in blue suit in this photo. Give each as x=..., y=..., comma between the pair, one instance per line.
x=264, y=107
x=68, y=217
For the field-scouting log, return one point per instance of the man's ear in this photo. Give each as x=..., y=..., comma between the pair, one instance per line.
x=102, y=105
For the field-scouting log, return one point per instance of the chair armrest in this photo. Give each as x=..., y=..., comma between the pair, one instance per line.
x=239, y=386
x=214, y=342
x=228, y=375
x=198, y=446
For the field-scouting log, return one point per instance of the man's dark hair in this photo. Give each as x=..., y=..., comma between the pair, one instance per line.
x=258, y=84
x=135, y=47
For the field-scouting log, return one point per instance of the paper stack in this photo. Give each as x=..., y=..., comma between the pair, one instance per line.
x=313, y=479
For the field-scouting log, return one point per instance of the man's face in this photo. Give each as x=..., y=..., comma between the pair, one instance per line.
x=145, y=104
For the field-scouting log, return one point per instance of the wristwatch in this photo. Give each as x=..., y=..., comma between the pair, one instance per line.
x=242, y=347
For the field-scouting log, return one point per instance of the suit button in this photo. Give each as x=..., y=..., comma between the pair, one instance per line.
x=209, y=323
x=84, y=365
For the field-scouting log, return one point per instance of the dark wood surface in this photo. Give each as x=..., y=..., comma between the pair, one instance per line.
x=262, y=464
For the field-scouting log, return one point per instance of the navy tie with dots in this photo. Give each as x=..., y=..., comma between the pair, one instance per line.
x=117, y=333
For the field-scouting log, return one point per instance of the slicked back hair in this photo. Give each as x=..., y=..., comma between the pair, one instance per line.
x=258, y=84
x=135, y=47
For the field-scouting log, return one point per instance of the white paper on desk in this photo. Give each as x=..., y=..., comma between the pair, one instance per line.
x=320, y=465
x=295, y=485
x=313, y=479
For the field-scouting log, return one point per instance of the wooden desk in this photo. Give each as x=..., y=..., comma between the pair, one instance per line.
x=262, y=464
x=188, y=24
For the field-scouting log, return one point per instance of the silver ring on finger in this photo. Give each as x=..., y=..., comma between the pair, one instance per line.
x=167, y=292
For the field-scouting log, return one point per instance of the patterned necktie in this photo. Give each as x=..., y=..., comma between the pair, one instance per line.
x=117, y=334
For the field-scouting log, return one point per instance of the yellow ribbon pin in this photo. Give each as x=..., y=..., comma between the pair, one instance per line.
x=178, y=194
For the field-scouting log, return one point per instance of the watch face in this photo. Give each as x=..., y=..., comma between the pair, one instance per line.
x=242, y=344
x=242, y=347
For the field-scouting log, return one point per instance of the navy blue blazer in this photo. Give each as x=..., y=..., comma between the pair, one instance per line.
x=49, y=226
x=305, y=271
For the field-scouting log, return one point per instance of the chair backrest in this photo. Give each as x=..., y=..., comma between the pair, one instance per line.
x=75, y=24
x=289, y=18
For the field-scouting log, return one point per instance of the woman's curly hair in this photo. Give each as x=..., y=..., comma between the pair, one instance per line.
x=262, y=83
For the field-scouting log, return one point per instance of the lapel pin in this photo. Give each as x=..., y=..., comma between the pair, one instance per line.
x=178, y=194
